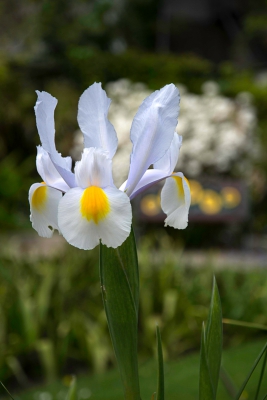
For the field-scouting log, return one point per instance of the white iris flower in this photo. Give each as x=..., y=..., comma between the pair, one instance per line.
x=85, y=206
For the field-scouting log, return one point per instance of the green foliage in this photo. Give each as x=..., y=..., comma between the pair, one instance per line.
x=242, y=388
x=156, y=70
x=181, y=379
x=72, y=393
x=160, y=389
x=214, y=337
x=211, y=349
x=15, y=183
x=52, y=317
x=120, y=291
x=206, y=390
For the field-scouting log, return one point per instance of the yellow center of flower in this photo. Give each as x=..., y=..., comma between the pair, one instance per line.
x=94, y=204
x=39, y=198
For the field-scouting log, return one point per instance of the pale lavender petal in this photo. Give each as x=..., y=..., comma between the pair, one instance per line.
x=67, y=175
x=44, y=111
x=93, y=120
x=48, y=172
x=169, y=160
x=152, y=131
x=175, y=201
x=150, y=177
x=94, y=169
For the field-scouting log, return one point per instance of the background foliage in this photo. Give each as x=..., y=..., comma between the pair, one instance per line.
x=52, y=318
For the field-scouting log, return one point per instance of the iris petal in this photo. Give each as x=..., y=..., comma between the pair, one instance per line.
x=152, y=131
x=94, y=169
x=112, y=228
x=44, y=202
x=48, y=172
x=175, y=201
x=169, y=160
x=93, y=121
x=44, y=111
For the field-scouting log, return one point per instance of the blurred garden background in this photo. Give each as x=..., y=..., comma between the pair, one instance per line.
x=52, y=322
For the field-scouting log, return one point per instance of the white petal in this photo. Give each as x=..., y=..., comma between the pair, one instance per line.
x=44, y=111
x=175, y=201
x=93, y=120
x=152, y=131
x=85, y=233
x=48, y=172
x=44, y=207
x=94, y=169
x=169, y=160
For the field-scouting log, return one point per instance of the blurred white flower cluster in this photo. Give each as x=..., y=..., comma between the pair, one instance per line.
x=219, y=133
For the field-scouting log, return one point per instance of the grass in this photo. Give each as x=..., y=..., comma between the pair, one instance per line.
x=181, y=379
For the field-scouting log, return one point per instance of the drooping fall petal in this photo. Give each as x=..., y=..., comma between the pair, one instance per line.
x=88, y=215
x=175, y=201
x=44, y=202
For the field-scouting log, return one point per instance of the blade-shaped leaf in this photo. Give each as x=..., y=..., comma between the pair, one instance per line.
x=160, y=390
x=6, y=390
x=72, y=393
x=214, y=337
x=228, y=383
x=251, y=372
x=261, y=375
x=206, y=391
x=120, y=291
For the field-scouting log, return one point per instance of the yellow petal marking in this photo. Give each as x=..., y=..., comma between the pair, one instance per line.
x=179, y=184
x=39, y=198
x=94, y=204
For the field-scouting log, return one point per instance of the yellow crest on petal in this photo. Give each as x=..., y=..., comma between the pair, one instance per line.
x=179, y=184
x=94, y=204
x=39, y=198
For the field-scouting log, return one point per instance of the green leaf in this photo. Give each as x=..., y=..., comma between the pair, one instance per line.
x=120, y=291
x=244, y=324
x=228, y=382
x=261, y=375
x=206, y=391
x=6, y=390
x=160, y=391
x=214, y=337
x=251, y=372
x=72, y=393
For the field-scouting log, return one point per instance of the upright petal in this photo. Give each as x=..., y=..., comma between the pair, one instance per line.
x=175, y=201
x=44, y=111
x=169, y=160
x=152, y=131
x=94, y=169
x=44, y=207
x=87, y=216
x=48, y=172
x=93, y=120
